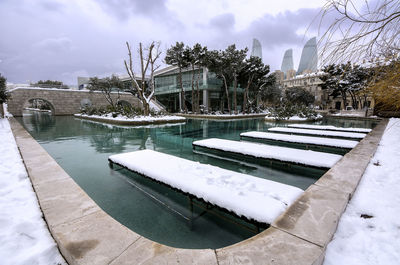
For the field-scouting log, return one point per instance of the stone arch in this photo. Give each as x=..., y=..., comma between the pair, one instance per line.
x=41, y=103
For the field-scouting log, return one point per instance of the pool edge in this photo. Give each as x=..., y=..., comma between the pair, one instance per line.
x=86, y=234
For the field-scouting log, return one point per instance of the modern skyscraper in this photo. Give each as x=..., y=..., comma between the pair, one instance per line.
x=309, y=57
x=287, y=62
x=256, y=49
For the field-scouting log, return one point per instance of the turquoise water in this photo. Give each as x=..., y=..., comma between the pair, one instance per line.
x=148, y=208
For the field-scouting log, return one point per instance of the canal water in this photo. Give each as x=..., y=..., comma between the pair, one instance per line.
x=152, y=210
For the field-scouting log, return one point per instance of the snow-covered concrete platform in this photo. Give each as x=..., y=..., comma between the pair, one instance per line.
x=307, y=140
x=329, y=128
x=255, y=198
x=347, y=135
x=270, y=152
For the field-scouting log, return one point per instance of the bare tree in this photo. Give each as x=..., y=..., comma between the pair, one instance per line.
x=359, y=31
x=148, y=58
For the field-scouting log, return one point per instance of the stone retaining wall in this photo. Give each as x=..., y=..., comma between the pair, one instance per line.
x=87, y=235
x=63, y=101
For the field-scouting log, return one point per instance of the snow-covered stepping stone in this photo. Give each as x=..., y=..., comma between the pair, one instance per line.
x=348, y=135
x=255, y=198
x=271, y=152
x=329, y=128
x=306, y=140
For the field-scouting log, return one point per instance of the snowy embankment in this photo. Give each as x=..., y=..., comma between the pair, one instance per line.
x=329, y=128
x=318, y=132
x=24, y=236
x=284, y=154
x=255, y=198
x=138, y=120
x=339, y=143
x=369, y=230
x=293, y=118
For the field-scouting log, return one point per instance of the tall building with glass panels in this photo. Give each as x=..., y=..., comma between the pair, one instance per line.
x=256, y=50
x=309, y=57
x=287, y=62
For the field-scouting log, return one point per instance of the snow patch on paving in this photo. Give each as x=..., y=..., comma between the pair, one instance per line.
x=255, y=198
x=374, y=238
x=301, y=139
x=24, y=236
x=318, y=132
x=285, y=154
x=329, y=127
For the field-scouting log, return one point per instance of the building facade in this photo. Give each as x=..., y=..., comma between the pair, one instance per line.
x=287, y=62
x=309, y=57
x=168, y=91
x=256, y=50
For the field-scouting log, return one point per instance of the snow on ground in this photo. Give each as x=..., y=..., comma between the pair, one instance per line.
x=329, y=128
x=24, y=236
x=256, y=198
x=292, y=155
x=301, y=139
x=137, y=118
x=318, y=132
x=374, y=239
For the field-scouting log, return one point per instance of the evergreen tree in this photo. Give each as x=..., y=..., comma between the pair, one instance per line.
x=217, y=62
x=298, y=96
x=178, y=56
x=3, y=93
x=252, y=77
x=234, y=65
x=196, y=58
x=269, y=90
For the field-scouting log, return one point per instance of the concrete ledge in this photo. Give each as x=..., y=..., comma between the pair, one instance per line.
x=349, y=117
x=87, y=235
x=272, y=246
x=122, y=122
x=314, y=216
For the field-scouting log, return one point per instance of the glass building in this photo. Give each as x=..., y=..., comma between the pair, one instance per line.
x=287, y=62
x=256, y=50
x=309, y=57
x=167, y=89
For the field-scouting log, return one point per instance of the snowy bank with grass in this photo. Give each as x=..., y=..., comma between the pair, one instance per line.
x=136, y=120
x=24, y=236
x=369, y=229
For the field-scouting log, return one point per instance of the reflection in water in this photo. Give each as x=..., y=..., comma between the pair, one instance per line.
x=38, y=122
x=82, y=148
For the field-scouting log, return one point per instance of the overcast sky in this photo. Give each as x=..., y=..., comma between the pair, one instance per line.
x=63, y=39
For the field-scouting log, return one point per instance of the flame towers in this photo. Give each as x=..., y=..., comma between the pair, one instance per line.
x=287, y=62
x=309, y=57
x=256, y=49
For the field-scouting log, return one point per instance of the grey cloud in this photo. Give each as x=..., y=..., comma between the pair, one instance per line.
x=52, y=6
x=224, y=22
x=123, y=9
x=41, y=44
x=54, y=44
